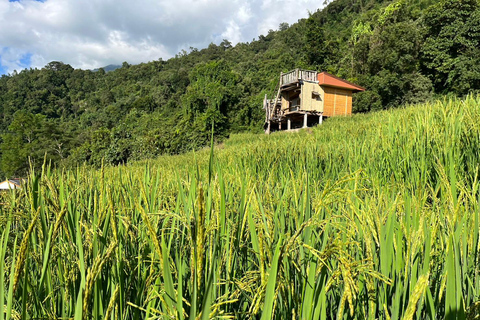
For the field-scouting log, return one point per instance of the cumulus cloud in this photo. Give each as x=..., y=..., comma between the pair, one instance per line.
x=92, y=33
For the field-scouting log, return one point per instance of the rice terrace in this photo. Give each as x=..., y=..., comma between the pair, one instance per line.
x=347, y=220
x=328, y=169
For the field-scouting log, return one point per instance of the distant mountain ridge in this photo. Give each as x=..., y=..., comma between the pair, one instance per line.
x=108, y=68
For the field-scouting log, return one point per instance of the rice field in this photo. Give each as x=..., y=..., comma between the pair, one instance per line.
x=369, y=217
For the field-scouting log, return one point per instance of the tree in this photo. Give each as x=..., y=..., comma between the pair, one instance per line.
x=315, y=50
x=283, y=26
x=22, y=142
x=451, y=52
x=211, y=94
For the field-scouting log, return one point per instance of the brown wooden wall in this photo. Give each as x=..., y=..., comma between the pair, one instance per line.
x=309, y=100
x=337, y=102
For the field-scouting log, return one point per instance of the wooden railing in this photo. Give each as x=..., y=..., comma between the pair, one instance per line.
x=297, y=75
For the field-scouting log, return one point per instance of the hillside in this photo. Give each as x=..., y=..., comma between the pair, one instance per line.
x=402, y=51
x=375, y=216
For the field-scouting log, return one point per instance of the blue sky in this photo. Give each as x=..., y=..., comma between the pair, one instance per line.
x=23, y=61
x=93, y=33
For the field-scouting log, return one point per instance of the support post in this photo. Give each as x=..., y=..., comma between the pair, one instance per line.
x=280, y=125
x=289, y=124
x=305, y=119
x=266, y=106
x=267, y=131
x=320, y=119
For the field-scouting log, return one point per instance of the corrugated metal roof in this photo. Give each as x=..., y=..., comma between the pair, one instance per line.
x=12, y=184
x=18, y=182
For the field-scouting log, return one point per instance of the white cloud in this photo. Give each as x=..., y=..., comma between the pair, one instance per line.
x=12, y=58
x=93, y=33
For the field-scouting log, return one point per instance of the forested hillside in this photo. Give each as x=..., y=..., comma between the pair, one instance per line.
x=401, y=51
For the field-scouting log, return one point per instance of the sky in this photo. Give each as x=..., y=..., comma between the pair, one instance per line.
x=89, y=34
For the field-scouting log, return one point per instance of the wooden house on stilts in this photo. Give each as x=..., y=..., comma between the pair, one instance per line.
x=304, y=97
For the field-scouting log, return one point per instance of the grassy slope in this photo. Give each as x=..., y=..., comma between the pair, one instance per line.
x=371, y=216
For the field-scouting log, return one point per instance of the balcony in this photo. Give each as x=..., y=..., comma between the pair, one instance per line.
x=297, y=75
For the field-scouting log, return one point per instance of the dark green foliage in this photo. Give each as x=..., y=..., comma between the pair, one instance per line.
x=402, y=51
x=451, y=53
x=31, y=138
x=315, y=46
x=366, y=101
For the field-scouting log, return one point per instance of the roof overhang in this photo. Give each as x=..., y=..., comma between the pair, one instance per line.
x=329, y=80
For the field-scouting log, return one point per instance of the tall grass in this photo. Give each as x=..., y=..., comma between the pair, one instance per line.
x=373, y=216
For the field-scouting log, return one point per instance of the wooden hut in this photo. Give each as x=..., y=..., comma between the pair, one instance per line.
x=304, y=97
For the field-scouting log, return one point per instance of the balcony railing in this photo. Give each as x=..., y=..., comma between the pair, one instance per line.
x=298, y=75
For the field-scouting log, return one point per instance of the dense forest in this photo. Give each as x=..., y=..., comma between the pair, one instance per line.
x=402, y=51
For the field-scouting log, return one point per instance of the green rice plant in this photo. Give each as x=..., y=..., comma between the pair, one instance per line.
x=373, y=216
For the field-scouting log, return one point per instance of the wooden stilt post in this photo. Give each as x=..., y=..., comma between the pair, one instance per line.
x=305, y=119
x=289, y=124
x=267, y=109
x=280, y=125
x=266, y=106
x=320, y=119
